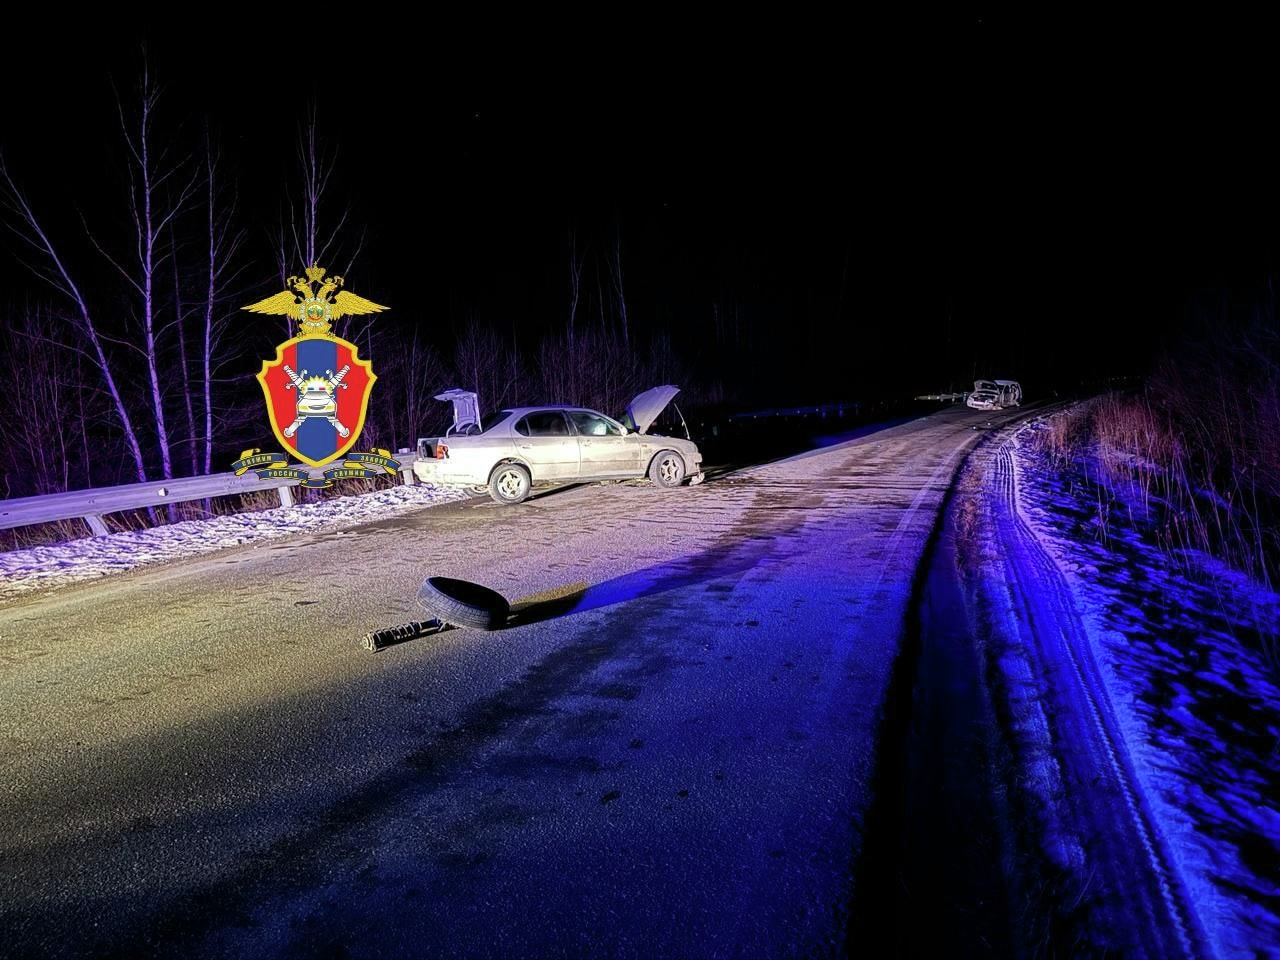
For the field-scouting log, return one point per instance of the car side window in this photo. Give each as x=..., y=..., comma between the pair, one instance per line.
x=593, y=425
x=543, y=423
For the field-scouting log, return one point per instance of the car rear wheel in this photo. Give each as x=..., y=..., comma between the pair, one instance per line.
x=509, y=483
x=463, y=603
x=667, y=469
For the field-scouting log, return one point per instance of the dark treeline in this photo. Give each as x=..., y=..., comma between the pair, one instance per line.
x=127, y=357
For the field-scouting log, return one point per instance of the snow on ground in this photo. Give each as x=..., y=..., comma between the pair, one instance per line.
x=1191, y=653
x=56, y=565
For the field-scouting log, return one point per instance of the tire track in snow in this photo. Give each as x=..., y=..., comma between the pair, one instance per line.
x=1142, y=897
x=916, y=860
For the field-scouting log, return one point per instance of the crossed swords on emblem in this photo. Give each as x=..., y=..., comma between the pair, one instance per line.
x=304, y=395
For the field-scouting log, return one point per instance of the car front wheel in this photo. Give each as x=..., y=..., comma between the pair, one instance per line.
x=667, y=469
x=509, y=483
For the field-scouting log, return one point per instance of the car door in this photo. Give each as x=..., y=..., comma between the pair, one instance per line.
x=606, y=448
x=545, y=442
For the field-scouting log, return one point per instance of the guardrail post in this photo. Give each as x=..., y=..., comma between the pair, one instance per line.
x=286, y=497
x=96, y=526
x=406, y=469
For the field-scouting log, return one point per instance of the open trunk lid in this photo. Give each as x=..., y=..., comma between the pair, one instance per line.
x=466, y=408
x=466, y=413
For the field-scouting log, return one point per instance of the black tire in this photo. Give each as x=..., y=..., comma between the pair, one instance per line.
x=463, y=603
x=667, y=469
x=509, y=483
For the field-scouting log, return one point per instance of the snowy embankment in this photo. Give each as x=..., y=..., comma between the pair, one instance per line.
x=1143, y=707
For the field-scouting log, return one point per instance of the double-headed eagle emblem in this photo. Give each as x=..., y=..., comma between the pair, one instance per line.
x=316, y=418
x=315, y=309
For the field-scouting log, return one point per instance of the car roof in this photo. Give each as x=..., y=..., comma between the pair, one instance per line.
x=567, y=408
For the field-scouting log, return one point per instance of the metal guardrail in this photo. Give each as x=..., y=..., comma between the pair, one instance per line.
x=92, y=505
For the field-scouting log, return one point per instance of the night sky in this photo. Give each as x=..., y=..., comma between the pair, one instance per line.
x=913, y=203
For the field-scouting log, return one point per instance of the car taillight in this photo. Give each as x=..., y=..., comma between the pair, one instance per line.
x=441, y=451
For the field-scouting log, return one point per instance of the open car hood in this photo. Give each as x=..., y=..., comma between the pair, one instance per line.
x=644, y=409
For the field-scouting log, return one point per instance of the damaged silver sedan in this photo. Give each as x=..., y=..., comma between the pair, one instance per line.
x=509, y=452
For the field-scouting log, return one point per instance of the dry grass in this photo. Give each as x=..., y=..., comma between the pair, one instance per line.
x=1067, y=434
x=1205, y=462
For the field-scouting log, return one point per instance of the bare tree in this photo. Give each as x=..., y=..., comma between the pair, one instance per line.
x=305, y=239
x=487, y=365
x=42, y=388
x=575, y=297
x=616, y=285
x=396, y=419
x=50, y=267
x=223, y=243
x=146, y=354
x=159, y=191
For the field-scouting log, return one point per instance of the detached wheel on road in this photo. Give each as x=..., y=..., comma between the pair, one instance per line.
x=509, y=483
x=463, y=603
x=667, y=469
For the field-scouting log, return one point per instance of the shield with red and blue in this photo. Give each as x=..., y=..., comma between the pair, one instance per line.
x=317, y=393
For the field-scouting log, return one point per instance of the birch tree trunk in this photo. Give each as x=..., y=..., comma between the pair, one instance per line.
x=223, y=243
x=184, y=366
x=575, y=296
x=159, y=191
x=620, y=296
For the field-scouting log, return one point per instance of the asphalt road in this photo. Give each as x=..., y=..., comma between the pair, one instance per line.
x=669, y=751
